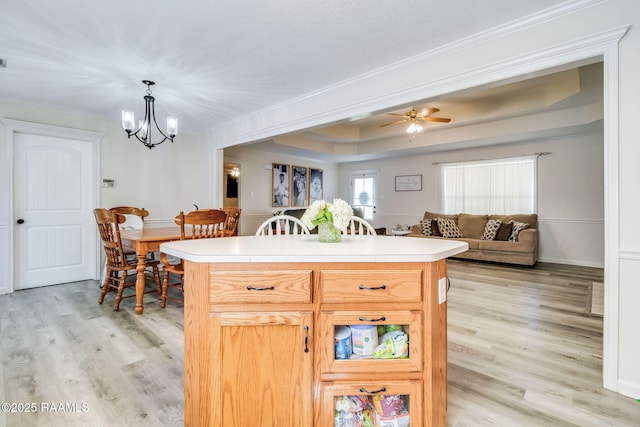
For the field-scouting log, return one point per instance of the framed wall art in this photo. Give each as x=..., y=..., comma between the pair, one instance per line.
x=316, y=185
x=409, y=183
x=299, y=186
x=280, y=185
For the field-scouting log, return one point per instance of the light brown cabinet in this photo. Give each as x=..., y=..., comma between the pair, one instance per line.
x=260, y=341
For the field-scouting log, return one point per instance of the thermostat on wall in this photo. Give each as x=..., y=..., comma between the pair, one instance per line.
x=108, y=183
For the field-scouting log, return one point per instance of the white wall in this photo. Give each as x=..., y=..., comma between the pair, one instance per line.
x=255, y=182
x=570, y=192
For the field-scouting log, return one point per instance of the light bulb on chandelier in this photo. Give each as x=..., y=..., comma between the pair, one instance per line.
x=143, y=132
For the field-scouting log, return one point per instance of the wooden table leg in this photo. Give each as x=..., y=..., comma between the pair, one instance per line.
x=140, y=282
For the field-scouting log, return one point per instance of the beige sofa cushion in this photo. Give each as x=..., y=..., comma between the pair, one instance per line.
x=435, y=215
x=472, y=226
x=495, y=245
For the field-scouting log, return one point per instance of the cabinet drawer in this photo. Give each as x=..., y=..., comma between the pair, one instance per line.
x=273, y=286
x=371, y=286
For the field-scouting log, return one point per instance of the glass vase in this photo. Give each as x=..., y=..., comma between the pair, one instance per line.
x=328, y=233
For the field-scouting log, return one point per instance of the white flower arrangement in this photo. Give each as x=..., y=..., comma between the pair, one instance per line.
x=338, y=213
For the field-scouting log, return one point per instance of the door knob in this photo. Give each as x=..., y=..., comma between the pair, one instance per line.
x=20, y=221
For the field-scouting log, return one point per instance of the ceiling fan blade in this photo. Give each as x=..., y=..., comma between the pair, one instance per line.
x=396, y=114
x=393, y=123
x=436, y=119
x=429, y=111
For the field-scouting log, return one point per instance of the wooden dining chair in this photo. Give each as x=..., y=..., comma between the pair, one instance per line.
x=233, y=217
x=118, y=266
x=358, y=225
x=134, y=220
x=200, y=224
x=282, y=224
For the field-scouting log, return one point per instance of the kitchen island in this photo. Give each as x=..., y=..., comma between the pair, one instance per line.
x=260, y=322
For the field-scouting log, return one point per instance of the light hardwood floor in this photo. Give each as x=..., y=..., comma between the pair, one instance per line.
x=522, y=352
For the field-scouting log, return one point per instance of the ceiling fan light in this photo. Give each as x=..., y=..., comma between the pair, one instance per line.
x=414, y=128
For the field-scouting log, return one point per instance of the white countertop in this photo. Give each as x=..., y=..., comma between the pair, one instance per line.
x=306, y=248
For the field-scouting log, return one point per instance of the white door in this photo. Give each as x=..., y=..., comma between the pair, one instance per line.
x=364, y=192
x=54, y=230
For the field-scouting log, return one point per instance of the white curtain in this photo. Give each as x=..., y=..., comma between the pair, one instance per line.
x=499, y=186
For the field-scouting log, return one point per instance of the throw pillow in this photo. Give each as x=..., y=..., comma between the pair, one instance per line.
x=491, y=229
x=426, y=227
x=505, y=231
x=448, y=228
x=517, y=228
x=434, y=228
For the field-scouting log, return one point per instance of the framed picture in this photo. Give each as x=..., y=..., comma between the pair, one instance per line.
x=299, y=186
x=280, y=185
x=316, y=185
x=409, y=183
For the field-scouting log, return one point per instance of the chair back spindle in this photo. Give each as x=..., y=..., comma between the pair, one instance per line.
x=282, y=224
x=358, y=225
x=233, y=217
x=204, y=224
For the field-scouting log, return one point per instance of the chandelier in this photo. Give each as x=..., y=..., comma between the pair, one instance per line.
x=143, y=131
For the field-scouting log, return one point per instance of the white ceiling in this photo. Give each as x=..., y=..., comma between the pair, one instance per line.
x=216, y=60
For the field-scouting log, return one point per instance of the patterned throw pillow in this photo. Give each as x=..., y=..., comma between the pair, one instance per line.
x=448, y=228
x=517, y=228
x=426, y=227
x=491, y=229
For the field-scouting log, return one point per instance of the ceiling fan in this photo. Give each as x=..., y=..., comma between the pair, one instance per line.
x=413, y=117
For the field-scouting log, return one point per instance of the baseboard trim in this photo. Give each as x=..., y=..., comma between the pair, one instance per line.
x=580, y=263
x=629, y=389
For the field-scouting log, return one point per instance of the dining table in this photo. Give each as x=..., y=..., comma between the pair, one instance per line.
x=143, y=241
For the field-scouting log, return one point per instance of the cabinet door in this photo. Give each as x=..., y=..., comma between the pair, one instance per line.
x=265, y=367
x=390, y=403
x=410, y=322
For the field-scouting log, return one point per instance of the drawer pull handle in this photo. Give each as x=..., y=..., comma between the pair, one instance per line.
x=306, y=339
x=364, y=390
x=379, y=319
x=375, y=288
x=254, y=288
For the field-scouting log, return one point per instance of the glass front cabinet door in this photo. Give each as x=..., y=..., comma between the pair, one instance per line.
x=371, y=404
x=371, y=341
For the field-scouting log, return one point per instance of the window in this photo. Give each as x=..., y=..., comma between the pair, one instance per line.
x=500, y=186
x=363, y=194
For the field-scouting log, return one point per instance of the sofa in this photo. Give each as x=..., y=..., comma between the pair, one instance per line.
x=509, y=239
